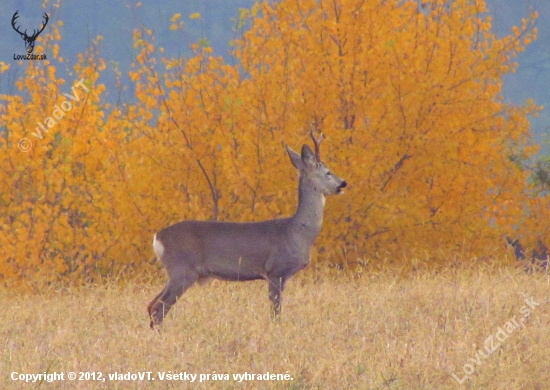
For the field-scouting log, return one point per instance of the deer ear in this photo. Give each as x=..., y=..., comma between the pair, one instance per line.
x=308, y=157
x=294, y=158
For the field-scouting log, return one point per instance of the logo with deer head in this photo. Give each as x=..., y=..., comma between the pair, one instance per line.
x=29, y=39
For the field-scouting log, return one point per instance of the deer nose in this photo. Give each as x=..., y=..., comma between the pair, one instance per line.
x=343, y=185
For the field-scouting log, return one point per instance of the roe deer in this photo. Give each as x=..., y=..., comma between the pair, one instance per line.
x=272, y=250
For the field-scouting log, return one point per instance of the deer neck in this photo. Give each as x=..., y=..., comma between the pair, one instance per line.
x=308, y=218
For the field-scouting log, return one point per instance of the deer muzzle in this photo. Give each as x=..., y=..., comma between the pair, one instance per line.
x=342, y=185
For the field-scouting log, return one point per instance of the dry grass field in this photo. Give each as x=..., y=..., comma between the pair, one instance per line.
x=379, y=331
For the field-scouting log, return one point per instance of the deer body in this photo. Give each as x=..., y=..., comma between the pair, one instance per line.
x=273, y=250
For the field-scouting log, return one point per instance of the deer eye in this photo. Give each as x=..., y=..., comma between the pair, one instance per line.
x=329, y=174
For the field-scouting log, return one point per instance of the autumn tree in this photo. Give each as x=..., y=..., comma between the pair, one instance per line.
x=58, y=222
x=409, y=99
x=411, y=102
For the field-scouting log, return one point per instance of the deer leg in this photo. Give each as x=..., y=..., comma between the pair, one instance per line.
x=159, y=307
x=150, y=305
x=276, y=286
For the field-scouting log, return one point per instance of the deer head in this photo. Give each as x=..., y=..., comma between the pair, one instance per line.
x=29, y=40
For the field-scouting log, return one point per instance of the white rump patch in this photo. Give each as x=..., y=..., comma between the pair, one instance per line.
x=158, y=247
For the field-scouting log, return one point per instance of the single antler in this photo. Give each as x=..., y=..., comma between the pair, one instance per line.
x=15, y=16
x=317, y=143
x=36, y=33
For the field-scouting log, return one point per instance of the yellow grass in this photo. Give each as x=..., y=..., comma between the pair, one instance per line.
x=380, y=331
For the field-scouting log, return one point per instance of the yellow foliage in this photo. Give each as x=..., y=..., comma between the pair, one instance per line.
x=411, y=104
